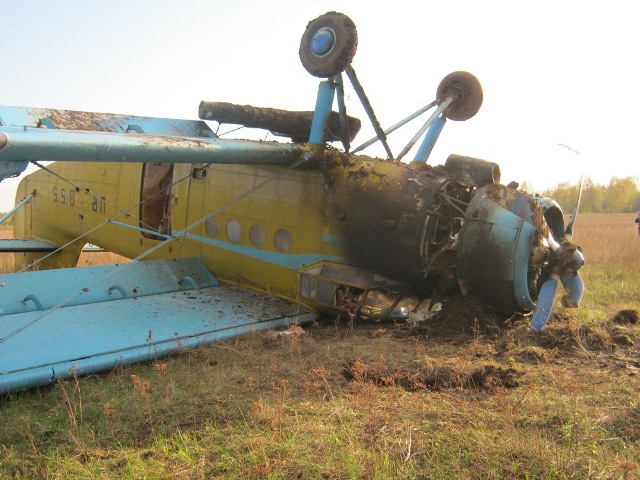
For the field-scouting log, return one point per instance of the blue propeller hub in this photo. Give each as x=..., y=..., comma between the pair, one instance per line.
x=323, y=41
x=576, y=260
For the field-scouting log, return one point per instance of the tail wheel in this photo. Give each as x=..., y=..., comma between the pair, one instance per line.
x=466, y=92
x=328, y=44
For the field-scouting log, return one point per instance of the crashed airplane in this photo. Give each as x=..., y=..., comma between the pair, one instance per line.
x=229, y=236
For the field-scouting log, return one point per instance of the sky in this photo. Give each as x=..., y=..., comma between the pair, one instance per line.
x=553, y=72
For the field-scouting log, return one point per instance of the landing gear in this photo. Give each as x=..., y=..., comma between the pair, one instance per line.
x=466, y=91
x=328, y=44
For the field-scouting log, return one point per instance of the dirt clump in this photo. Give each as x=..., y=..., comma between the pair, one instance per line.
x=292, y=335
x=432, y=377
x=625, y=317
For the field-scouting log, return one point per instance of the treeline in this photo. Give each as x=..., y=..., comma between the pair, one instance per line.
x=621, y=195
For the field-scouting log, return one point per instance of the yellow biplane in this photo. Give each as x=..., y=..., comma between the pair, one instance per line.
x=228, y=236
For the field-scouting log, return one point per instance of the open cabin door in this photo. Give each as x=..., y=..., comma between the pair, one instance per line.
x=155, y=199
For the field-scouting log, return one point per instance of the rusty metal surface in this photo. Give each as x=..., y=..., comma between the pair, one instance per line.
x=100, y=122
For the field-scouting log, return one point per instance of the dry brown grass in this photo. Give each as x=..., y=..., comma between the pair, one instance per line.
x=610, y=239
x=100, y=258
x=466, y=395
x=6, y=259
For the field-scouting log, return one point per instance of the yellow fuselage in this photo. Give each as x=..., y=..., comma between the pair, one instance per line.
x=256, y=226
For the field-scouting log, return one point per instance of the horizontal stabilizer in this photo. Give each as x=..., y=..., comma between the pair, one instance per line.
x=86, y=339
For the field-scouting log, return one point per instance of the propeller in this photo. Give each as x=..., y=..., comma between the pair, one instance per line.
x=565, y=260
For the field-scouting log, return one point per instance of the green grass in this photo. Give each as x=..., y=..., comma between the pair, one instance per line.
x=468, y=395
x=245, y=409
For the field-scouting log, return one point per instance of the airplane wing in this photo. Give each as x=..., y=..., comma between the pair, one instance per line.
x=97, y=318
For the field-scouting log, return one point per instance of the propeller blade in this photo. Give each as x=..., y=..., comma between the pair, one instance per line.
x=568, y=232
x=575, y=288
x=566, y=259
x=545, y=303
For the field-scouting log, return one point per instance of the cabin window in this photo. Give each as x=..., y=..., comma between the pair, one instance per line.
x=308, y=286
x=234, y=231
x=257, y=235
x=317, y=289
x=155, y=197
x=212, y=226
x=283, y=241
x=326, y=291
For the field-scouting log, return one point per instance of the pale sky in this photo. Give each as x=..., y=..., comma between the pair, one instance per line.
x=553, y=72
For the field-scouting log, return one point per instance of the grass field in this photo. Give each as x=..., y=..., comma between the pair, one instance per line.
x=469, y=395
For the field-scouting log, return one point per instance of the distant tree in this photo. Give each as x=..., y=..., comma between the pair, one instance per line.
x=566, y=194
x=636, y=202
x=592, y=197
x=621, y=195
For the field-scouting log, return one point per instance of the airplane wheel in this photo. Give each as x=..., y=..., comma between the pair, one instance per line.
x=328, y=44
x=467, y=93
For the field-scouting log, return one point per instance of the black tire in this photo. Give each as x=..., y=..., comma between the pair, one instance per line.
x=341, y=52
x=466, y=91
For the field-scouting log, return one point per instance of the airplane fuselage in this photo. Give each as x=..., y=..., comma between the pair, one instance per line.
x=257, y=226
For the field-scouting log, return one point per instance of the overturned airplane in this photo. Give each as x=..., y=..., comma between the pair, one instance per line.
x=228, y=236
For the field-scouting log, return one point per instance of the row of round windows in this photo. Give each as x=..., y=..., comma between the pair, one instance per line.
x=282, y=239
